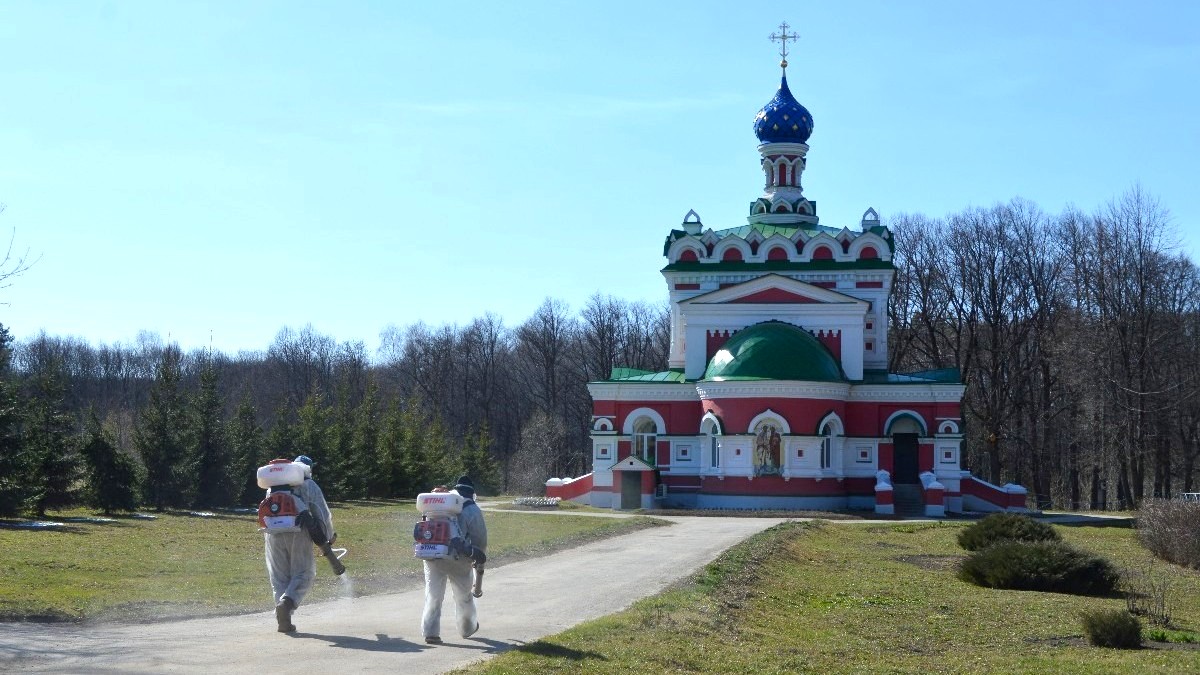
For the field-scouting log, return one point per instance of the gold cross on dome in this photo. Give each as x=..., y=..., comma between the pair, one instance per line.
x=782, y=38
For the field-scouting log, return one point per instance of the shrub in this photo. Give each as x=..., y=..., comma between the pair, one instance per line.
x=1112, y=628
x=1147, y=593
x=1000, y=527
x=1170, y=529
x=1050, y=566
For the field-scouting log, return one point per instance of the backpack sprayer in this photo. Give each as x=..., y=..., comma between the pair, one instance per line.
x=283, y=511
x=438, y=535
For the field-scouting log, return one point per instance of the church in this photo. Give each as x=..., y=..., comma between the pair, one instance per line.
x=777, y=393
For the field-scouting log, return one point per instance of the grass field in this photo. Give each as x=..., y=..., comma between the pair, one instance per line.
x=821, y=597
x=179, y=565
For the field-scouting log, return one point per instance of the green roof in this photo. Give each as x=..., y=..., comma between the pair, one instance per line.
x=940, y=376
x=780, y=266
x=635, y=375
x=767, y=230
x=774, y=351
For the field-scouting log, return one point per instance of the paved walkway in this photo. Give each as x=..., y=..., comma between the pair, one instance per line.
x=522, y=602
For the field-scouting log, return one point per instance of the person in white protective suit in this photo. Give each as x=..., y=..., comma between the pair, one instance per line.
x=458, y=572
x=291, y=564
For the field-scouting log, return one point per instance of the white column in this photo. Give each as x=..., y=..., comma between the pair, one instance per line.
x=696, y=359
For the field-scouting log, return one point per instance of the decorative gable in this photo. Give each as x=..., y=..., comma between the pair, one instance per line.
x=773, y=289
x=711, y=319
x=774, y=296
x=631, y=463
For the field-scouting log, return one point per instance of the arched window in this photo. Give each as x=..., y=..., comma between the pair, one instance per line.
x=822, y=253
x=826, y=446
x=731, y=254
x=644, y=437
x=688, y=255
x=712, y=431
x=868, y=253
x=777, y=253
x=830, y=428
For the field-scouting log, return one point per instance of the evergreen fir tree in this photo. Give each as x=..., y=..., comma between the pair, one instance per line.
x=249, y=451
x=312, y=438
x=50, y=439
x=392, y=478
x=281, y=439
x=342, y=461
x=16, y=490
x=477, y=462
x=419, y=470
x=430, y=459
x=210, y=450
x=364, y=436
x=159, y=437
x=114, y=476
x=365, y=442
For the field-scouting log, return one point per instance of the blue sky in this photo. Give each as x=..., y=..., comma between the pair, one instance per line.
x=213, y=172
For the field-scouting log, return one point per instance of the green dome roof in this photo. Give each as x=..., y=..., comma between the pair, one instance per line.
x=774, y=351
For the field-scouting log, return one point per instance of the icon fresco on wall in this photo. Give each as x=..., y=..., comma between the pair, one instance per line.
x=767, y=443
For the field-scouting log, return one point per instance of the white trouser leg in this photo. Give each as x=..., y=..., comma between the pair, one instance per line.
x=461, y=580
x=435, y=590
x=458, y=573
x=290, y=565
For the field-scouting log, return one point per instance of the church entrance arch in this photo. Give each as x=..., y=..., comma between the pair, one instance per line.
x=905, y=432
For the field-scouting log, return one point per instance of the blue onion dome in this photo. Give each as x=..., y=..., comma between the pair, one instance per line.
x=783, y=119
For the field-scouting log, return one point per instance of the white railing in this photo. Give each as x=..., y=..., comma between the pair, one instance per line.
x=537, y=501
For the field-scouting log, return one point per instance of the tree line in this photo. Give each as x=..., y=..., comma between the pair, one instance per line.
x=1077, y=335
x=126, y=426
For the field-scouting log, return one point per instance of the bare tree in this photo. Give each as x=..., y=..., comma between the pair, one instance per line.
x=13, y=263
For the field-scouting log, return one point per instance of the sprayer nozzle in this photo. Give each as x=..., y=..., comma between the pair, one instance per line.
x=338, y=567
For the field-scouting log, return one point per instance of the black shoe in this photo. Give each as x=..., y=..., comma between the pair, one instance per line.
x=283, y=615
x=433, y=640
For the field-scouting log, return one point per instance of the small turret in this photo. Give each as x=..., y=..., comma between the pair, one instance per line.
x=870, y=219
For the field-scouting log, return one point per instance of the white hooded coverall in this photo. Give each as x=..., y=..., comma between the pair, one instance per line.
x=291, y=563
x=458, y=573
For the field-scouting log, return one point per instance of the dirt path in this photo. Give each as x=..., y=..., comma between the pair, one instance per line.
x=522, y=602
